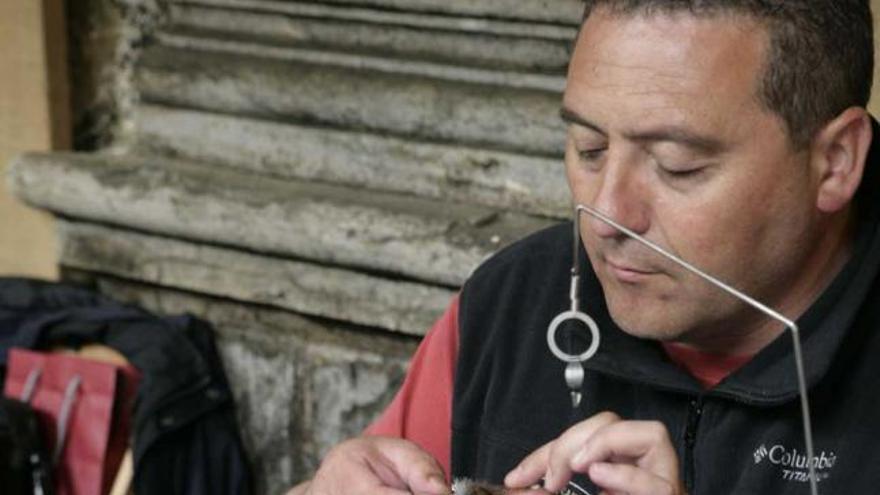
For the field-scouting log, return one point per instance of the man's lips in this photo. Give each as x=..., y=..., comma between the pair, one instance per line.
x=628, y=273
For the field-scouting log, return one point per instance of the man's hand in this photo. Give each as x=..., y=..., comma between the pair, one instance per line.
x=376, y=465
x=626, y=457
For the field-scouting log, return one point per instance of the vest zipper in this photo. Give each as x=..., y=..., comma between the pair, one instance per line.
x=695, y=412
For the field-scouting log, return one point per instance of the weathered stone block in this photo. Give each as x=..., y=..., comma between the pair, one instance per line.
x=416, y=238
x=306, y=288
x=559, y=11
x=460, y=174
x=405, y=104
x=469, y=41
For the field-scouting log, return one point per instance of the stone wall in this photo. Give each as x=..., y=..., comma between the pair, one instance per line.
x=314, y=178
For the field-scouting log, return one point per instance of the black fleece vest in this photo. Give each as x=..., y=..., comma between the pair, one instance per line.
x=743, y=436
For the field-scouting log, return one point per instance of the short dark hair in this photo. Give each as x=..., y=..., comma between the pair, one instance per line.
x=820, y=59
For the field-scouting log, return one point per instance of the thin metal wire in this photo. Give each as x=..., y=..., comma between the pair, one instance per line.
x=578, y=488
x=795, y=332
x=574, y=290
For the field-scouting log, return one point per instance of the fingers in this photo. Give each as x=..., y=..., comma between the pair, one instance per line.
x=646, y=443
x=632, y=457
x=378, y=466
x=527, y=491
x=384, y=490
x=627, y=479
x=552, y=462
x=419, y=471
x=560, y=466
x=530, y=470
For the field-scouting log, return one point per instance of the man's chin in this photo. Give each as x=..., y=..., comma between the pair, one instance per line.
x=648, y=327
x=656, y=313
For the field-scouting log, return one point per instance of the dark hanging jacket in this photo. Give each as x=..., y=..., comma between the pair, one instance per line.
x=743, y=436
x=186, y=439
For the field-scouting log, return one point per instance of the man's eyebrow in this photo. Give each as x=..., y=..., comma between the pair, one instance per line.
x=685, y=137
x=571, y=117
x=673, y=134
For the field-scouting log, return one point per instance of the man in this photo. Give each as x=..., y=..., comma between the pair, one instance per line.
x=733, y=134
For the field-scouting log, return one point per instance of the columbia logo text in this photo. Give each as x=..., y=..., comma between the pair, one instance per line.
x=794, y=465
x=760, y=454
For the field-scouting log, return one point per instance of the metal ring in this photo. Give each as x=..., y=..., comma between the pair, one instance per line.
x=586, y=320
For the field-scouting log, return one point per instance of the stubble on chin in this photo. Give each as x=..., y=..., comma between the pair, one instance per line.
x=660, y=315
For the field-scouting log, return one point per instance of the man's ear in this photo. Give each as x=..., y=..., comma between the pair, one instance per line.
x=838, y=155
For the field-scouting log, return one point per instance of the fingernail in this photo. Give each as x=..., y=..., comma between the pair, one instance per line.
x=549, y=483
x=437, y=485
x=512, y=477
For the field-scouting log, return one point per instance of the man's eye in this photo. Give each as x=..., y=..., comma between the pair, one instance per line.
x=681, y=173
x=591, y=155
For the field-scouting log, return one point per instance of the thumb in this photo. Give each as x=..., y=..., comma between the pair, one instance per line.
x=416, y=468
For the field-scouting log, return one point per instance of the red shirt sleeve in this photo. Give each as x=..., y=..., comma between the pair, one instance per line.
x=422, y=409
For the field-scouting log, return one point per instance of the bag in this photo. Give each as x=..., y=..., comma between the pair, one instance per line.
x=85, y=409
x=24, y=465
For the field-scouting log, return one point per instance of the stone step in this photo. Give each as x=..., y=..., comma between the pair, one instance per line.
x=357, y=96
x=563, y=12
x=437, y=242
x=525, y=46
x=210, y=42
x=305, y=288
x=497, y=179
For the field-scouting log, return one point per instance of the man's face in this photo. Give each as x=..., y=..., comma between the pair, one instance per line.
x=669, y=139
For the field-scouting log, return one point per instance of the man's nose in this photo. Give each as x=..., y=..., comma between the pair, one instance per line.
x=623, y=196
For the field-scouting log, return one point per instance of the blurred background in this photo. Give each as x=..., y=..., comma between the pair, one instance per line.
x=35, y=115
x=316, y=179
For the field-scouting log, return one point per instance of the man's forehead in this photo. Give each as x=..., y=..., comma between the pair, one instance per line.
x=669, y=70
x=684, y=42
